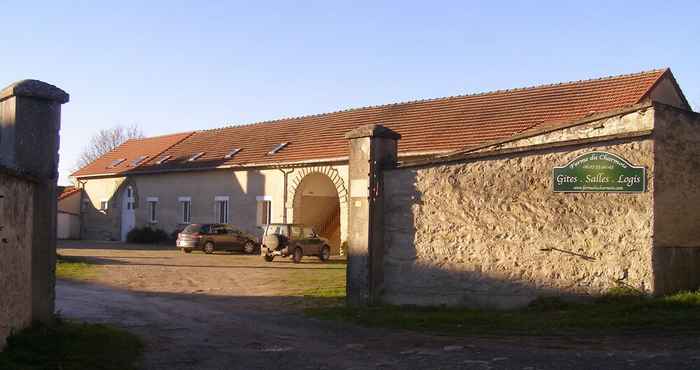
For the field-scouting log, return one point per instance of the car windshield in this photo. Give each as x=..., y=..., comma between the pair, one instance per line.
x=196, y=228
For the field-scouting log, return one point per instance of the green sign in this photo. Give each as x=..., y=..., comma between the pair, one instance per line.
x=599, y=172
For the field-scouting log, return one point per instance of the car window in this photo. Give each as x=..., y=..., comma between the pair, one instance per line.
x=296, y=232
x=308, y=232
x=276, y=229
x=193, y=228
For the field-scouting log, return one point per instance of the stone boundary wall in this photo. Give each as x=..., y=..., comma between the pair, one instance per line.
x=676, y=200
x=16, y=195
x=490, y=232
x=30, y=120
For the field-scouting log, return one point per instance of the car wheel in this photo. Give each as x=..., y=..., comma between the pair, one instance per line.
x=209, y=248
x=249, y=247
x=325, y=253
x=187, y=250
x=268, y=258
x=298, y=253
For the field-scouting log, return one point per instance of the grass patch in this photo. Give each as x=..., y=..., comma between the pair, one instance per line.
x=610, y=314
x=71, y=346
x=74, y=268
x=322, y=287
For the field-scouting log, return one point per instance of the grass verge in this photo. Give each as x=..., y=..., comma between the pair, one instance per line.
x=71, y=346
x=74, y=268
x=610, y=314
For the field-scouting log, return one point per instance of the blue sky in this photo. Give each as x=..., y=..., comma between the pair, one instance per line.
x=182, y=65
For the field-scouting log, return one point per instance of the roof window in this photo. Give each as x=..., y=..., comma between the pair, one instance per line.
x=232, y=153
x=278, y=148
x=117, y=162
x=195, y=157
x=163, y=159
x=138, y=160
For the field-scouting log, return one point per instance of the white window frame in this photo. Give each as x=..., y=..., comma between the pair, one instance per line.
x=222, y=218
x=195, y=157
x=277, y=148
x=185, y=214
x=232, y=153
x=163, y=159
x=152, y=209
x=104, y=205
x=264, y=201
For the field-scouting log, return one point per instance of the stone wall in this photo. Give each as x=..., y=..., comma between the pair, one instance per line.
x=491, y=232
x=98, y=224
x=676, y=200
x=30, y=120
x=15, y=254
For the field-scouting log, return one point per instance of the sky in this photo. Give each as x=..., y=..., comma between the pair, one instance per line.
x=176, y=66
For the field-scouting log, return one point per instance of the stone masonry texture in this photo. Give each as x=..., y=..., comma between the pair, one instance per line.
x=491, y=232
x=16, y=251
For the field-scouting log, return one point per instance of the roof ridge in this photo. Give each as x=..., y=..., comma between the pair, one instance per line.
x=492, y=92
x=162, y=136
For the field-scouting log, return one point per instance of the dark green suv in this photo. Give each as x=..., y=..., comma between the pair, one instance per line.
x=293, y=240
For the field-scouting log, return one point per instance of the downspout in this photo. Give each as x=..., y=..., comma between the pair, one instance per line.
x=81, y=186
x=286, y=174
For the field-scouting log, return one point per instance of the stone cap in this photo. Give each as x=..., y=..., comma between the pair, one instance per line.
x=35, y=89
x=373, y=130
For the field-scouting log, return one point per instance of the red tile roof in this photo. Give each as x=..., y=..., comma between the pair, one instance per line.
x=121, y=159
x=67, y=191
x=426, y=126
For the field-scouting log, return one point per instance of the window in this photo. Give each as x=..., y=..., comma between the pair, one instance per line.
x=264, y=210
x=163, y=159
x=152, y=209
x=221, y=209
x=117, y=162
x=232, y=153
x=104, y=205
x=185, y=209
x=278, y=148
x=130, y=201
x=195, y=157
x=138, y=160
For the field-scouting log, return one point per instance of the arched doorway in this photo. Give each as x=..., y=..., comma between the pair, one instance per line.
x=317, y=203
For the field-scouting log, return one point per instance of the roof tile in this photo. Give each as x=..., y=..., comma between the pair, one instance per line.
x=437, y=125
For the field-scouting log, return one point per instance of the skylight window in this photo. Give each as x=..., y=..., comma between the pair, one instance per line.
x=163, y=159
x=232, y=153
x=195, y=157
x=139, y=160
x=278, y=148
x=117, y=162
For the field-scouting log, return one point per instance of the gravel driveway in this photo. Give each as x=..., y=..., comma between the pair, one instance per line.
x=233, y=311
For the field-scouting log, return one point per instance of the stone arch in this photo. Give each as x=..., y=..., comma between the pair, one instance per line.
x=294, y=198
x=329, y=171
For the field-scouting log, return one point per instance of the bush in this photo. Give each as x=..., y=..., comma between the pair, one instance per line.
x=146, y=235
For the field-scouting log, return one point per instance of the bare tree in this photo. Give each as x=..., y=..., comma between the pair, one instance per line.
x=106, y=140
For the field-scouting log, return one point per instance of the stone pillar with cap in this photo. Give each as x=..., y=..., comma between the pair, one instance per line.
x=30, y=119
x=372, y=149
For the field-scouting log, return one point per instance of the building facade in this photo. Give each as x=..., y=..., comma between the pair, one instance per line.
x=297, y=170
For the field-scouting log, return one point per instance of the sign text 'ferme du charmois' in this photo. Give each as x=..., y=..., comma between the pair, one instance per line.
x=600, y=172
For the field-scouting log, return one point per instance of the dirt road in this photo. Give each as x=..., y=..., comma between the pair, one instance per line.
x=231, y=312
